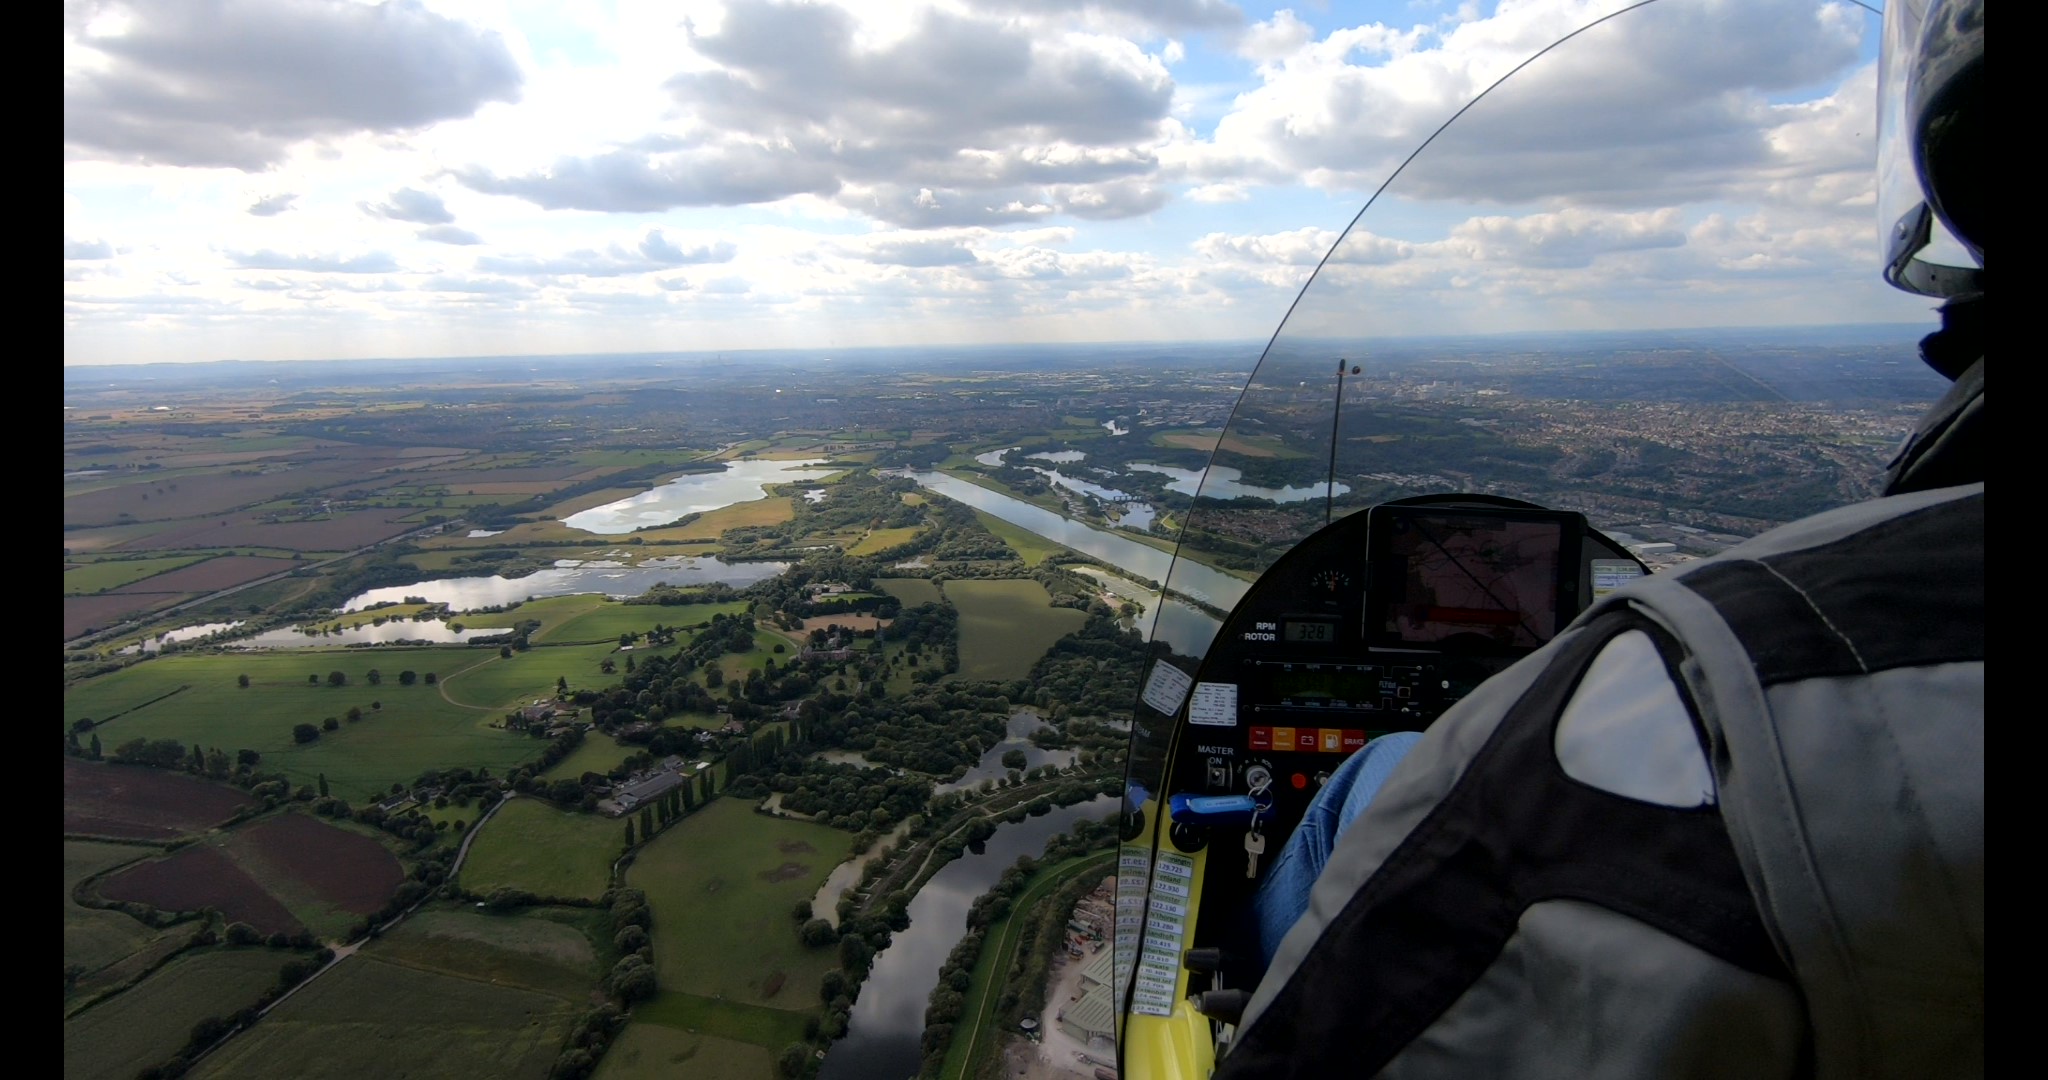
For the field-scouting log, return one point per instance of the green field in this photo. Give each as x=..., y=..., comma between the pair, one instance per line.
x=530, y=845
x=1005, y=626
x=101, y=576
x=196, y=699
x=93, y=937
x=649, y=1050
x=1028, y=545
x=607, y=621
x=543, y=949
x=598, y=753
x=883, y=539
x=146, y=1024
x=912, y=591
x=504, y=683
x=371, y=1018
x=722, y=884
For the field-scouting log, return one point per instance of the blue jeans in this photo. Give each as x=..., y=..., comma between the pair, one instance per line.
x=1283, y=896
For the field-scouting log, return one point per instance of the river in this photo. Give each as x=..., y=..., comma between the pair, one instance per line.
x=883, y=1033
x=1201, y=582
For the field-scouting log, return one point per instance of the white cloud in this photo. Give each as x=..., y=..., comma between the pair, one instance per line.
x=414, y=205
x=237, y=82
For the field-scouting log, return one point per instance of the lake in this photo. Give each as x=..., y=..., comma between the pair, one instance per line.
x=696, y=493
x=1227, y=483
x=470, y=593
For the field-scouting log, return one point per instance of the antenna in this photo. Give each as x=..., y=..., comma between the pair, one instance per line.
x=1336, y=414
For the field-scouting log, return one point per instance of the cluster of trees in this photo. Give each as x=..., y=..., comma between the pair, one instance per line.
x=1093, y=671
x=848, y=796
x=588, y=1041
x=666, y=811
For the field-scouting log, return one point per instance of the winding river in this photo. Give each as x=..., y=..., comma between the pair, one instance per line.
x=882, y=1035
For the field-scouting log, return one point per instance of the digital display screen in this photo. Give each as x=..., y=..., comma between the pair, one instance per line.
x=1482, y=581
x=1308, y=631
x=1327, y=686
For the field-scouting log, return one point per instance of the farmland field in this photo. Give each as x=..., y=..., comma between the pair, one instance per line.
x=371, y=1018
x=415, y=729
x=528, y=844
x=912, y=591
x=142, y=804
x=325, y=875
x=142, y=1026
x=196, y=877
x=94, y=938
x=722, y=884
x=1005, y=626
x=84, y=614
x=99, y=577
x=648, y=1050
x=211, y=575
x=539, y=949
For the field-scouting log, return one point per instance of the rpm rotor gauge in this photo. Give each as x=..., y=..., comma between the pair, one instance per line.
x=1330, y=583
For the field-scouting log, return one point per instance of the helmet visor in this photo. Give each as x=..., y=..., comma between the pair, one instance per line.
x=1920, y=255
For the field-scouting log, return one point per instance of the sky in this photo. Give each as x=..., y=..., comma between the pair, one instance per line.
x=320, y=179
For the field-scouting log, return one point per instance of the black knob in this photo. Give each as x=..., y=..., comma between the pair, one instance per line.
x=1223, y=1006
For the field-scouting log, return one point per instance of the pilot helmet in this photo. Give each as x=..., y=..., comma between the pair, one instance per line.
x=1930, y=187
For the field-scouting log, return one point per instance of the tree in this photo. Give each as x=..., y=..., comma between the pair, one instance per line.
x=92, y=749
x=304, y=733
x=646, y=822
x=607, y=667
x=197, y=762
x=561, y=684
x=504, y=652
x=323, y=785
x=629, y=665
x=247, y=758
x=329, y=724
x=629, y=832
x=216, y=764
x=432, y=678
x=1013, y=759
x=312, y=680
x=408, y=677
x=337, y=678
x=242, y=681
x=355, y=713
x=374, y=676
x=795, y=1058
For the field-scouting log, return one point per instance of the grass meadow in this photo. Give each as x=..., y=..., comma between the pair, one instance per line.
x=548, y=950
x=1006, y=625
x=608, y=619
x=598, y=753
x=880, y=540
x=194, y=698
x=1028, y=545
x=147, y=1023
x=100, y=576
x=722, y=885
x=529, y=844
x=94, y=937
x=499, y=683
x=648, y=1050
x=912, y=591
x=368, y=1017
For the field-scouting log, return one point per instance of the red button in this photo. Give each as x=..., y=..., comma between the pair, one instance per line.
x=1299, y=781
x=1262, y=738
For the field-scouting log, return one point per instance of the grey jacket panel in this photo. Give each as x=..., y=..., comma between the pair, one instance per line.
x=1581, y=993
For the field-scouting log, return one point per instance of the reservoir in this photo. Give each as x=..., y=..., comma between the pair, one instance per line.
x=470, y=593
x=696, y=493
x=882, y=1035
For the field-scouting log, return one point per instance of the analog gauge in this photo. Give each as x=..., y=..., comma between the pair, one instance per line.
x=1330, y=581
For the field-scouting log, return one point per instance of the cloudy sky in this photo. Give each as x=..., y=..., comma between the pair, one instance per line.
x=306, y=179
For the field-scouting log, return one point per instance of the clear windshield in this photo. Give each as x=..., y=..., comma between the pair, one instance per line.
x=1556, y=300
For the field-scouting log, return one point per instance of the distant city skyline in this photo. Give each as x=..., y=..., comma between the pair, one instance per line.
x=323, y=179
